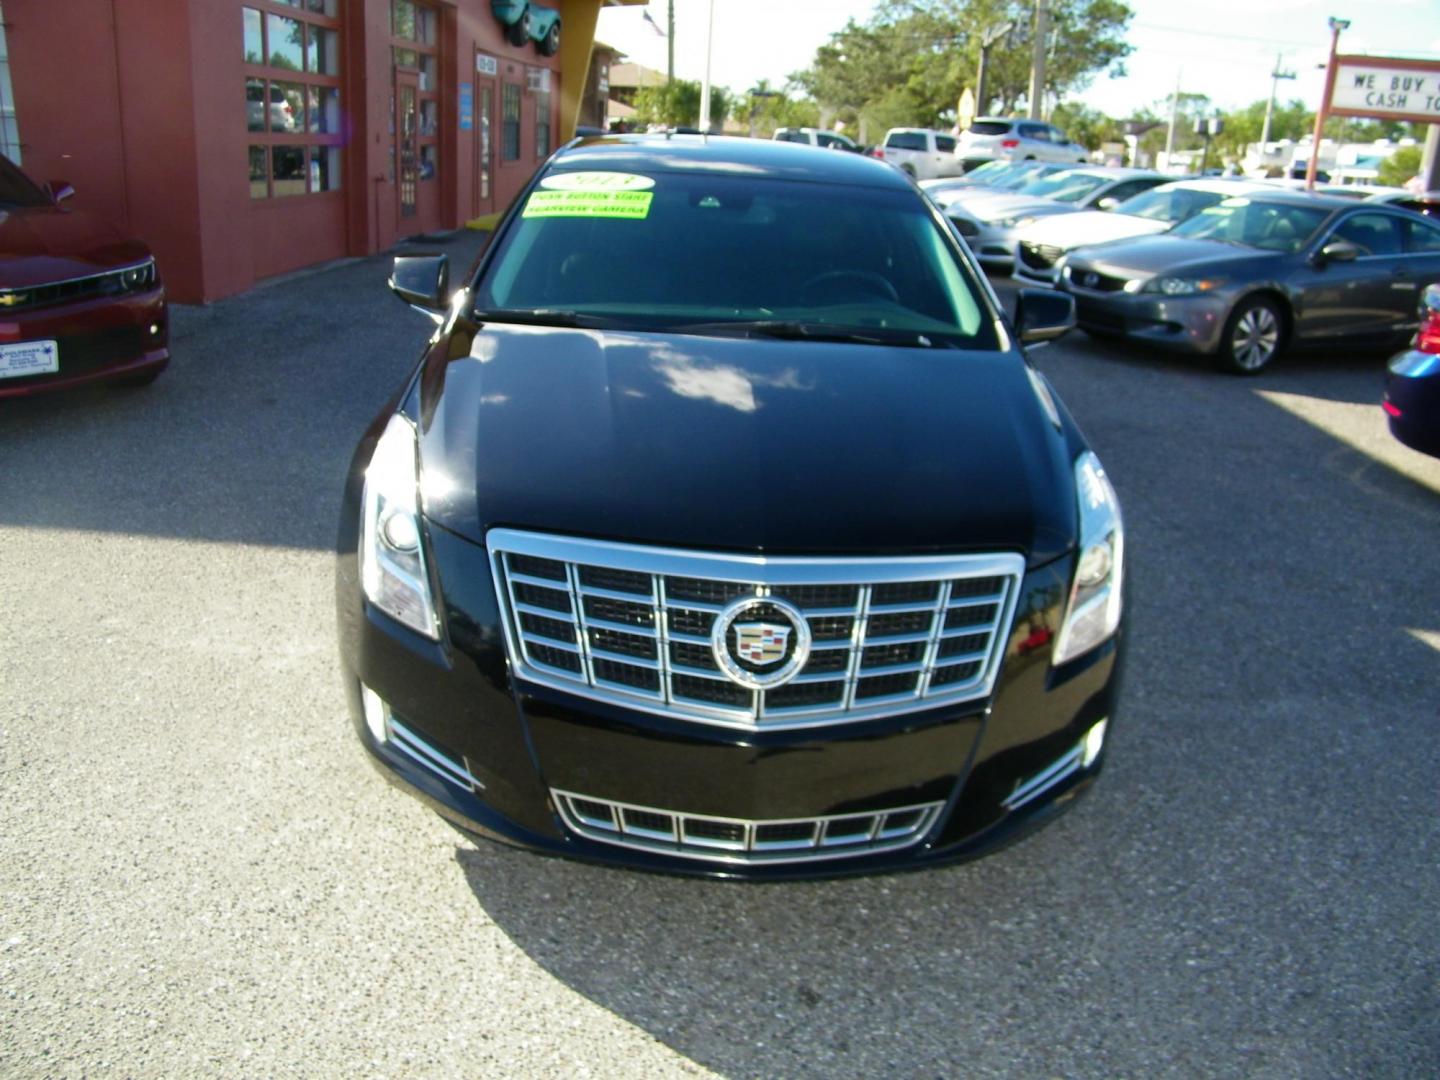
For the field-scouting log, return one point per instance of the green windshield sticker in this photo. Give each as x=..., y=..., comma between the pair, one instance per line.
x=633, y=205
x=597, y=181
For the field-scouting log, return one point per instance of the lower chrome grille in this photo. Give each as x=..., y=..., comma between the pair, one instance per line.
x=637, y=626
x=735, y=840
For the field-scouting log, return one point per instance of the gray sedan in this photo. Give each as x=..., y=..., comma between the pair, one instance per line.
x=989, y=221
x=1246, y=278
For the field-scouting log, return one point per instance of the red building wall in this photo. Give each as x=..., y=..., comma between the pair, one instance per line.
x=138, y=104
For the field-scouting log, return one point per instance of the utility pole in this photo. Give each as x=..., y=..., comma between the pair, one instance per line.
x=988, y=40
x=1037, y=63
x=1170, y=133
x=1275, y=77
x=670, y=44
x=1336, y=25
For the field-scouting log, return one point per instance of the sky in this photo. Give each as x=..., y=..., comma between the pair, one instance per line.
x=1223, y=48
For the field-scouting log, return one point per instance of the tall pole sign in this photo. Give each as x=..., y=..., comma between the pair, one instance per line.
x=1336, y=25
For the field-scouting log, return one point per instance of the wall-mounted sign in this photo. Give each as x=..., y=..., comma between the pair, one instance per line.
x=467, y=106
x=486, y=65
x=1387, y=88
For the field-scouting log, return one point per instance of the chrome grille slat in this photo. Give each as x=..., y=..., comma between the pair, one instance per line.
x=610, y=655
x=736, y=840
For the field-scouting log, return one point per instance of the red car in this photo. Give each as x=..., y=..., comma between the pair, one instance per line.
x=79, y=301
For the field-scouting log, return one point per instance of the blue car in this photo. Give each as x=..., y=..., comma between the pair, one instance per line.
x=1412, y=392
x=529, y=22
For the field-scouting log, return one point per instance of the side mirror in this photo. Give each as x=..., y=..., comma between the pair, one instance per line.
x=1336, y=251
x=1109, y=202
x=422, y=281
x=1043, y=315
x=59, y=191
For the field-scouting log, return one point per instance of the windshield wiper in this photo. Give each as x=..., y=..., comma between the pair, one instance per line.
x=544, y=317
x=793, y=330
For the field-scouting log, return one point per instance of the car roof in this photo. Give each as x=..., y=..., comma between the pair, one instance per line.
x=724, y=155
x=1221, y=185
x=1111, y=172
x=1290, y=196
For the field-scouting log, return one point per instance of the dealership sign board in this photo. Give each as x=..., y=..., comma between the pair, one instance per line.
x=1386, y=88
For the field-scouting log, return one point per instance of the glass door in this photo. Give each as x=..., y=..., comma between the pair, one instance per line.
x=407, y=150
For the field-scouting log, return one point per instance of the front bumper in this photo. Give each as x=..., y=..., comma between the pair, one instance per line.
x=97, y=339
x=1412, y=400
x=502, y=758
x=1190, y=324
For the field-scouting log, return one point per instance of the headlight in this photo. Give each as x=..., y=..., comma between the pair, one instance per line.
x=1093, y=613
x=392, y=556
x=137, y=277
x=1174, y=286
x=1013, y=222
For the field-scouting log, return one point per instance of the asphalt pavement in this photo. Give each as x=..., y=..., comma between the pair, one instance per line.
x=201, y=874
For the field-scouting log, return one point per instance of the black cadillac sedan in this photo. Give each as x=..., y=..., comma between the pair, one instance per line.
x=723, y=527
x=1254, y=274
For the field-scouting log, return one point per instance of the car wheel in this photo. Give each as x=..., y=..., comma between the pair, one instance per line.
x=1253, y=337
x=550, y=44
x=518, y=32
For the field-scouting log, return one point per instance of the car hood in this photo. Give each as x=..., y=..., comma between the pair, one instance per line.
x=1008, y=206
x=976, y=201
x=1148, y=255
x=45, y=244
x=740, y=444
x=1067, y=231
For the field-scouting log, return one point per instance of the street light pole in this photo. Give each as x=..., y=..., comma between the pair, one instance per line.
x=1336, y=25
x=1275, y=77
x=705, y=86
x=987, y=41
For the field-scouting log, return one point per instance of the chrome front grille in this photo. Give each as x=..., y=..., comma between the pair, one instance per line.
x=735, y=840
x=632, y=625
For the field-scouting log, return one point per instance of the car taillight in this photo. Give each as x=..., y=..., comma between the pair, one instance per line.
x=1009, y=144
x=1428, y=339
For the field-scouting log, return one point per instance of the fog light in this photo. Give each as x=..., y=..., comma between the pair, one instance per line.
x=1092, y=744
x=375, y=712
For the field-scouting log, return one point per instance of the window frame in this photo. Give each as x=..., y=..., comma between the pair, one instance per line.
x=425, y=142
x=313, y=143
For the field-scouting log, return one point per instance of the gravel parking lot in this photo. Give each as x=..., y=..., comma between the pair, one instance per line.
x=201, y=874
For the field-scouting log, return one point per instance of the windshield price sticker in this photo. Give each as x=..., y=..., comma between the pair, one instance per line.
x=631, y=205
x=597, y=181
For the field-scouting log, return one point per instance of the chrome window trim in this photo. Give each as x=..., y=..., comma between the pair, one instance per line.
x=749, y=850
x=769, y=572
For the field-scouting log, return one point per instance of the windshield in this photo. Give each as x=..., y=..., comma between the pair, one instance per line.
x=17, y=189
x=1026, y=172
x=1168, y=204
x=682, y=251
x=1068, y=186
x=1266, y=225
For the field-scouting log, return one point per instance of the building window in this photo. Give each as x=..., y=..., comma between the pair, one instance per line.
x=292, y=97
x=415, y=45
x=510, y=124
x=542, y=124
x=9, y=131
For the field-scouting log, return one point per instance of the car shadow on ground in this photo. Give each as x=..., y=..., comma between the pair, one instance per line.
x=246, y=437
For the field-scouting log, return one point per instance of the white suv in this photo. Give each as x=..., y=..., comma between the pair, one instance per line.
x=992, y=139
x=924, y=154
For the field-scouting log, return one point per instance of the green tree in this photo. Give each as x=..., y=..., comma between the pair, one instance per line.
x=910, y=62
x=765, y=108
x=677, y=104
x=1086, y=126
x=1191, y=108
x=1400, y=166
x=1243, y=127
